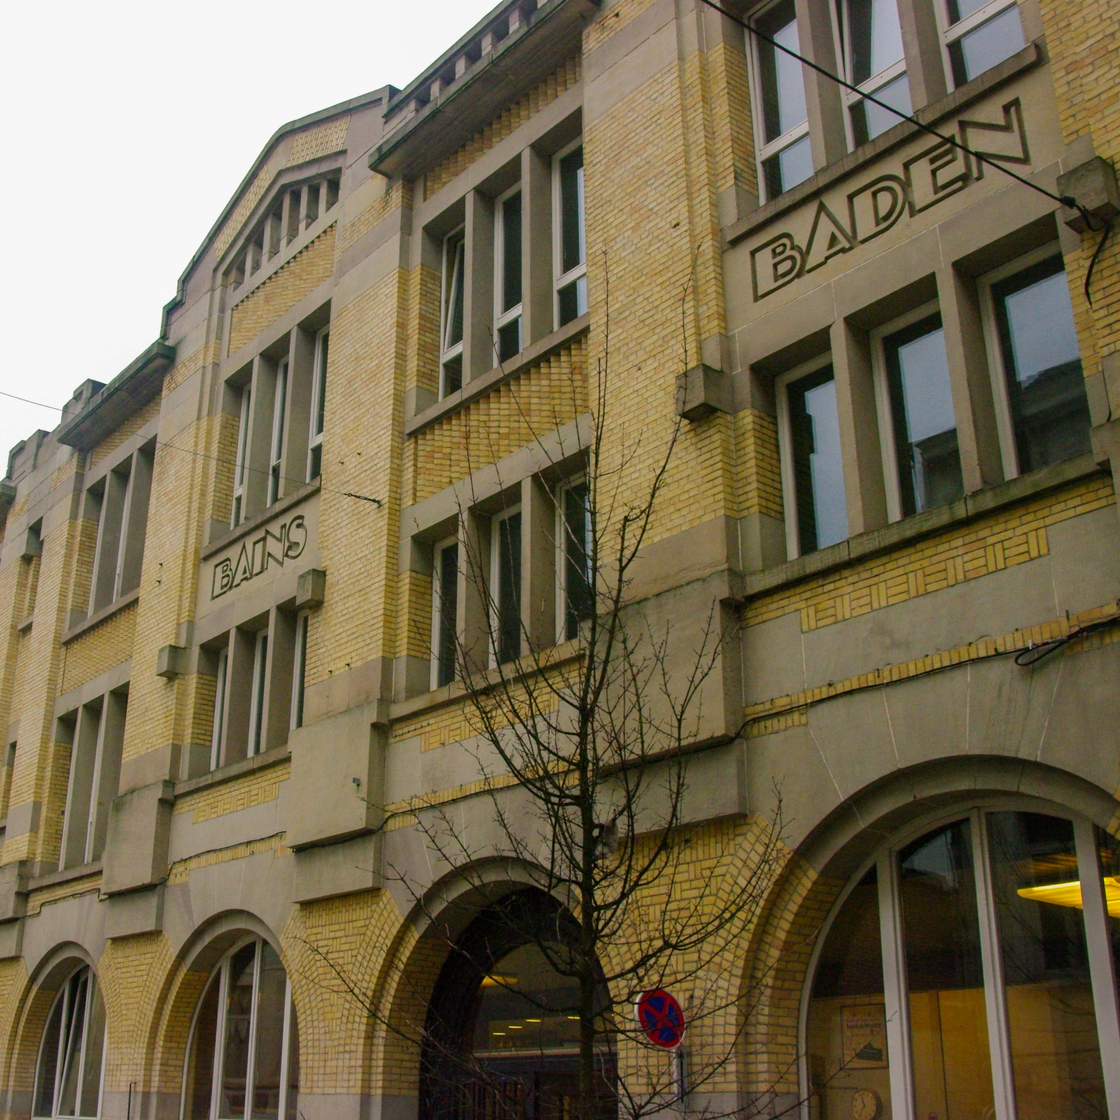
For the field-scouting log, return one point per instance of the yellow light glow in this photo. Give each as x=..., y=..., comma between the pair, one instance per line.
x=495, y=981
x=532, y=1020
x=515, y=1026
x=1069, y=894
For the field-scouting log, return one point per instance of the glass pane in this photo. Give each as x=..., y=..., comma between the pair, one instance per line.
x=577, y=573
x=72, y=1031
x=320, y=413
x=453, y=293
x=573, y=300
x=95, y=1046
x=200, y=1069
x=822, y=513
x=870, y=120
x=525, y=1004
x=1054, y=1050
x=48, y=1060
x=573, y=250
x=292, y=1105
x=876, y=37
x=789, y=167
x=453, y=375
x=959, y=9
x=987, y=46
x=511, y=252
x=508, y=636
x=1049, y=409
x=847, y=1033
x=239, y=1010
x=925, y=426
x=783, y=85
x=509, y=340
x=271, y=991
x=448, y=590
x=941, y=939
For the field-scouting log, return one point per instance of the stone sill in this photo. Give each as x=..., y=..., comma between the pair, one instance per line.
x=234, y=770
x=24, y=626
x=514, y=671
x=82, y=871
x=113, y=608
x=914, y=528
x=1030, y=56
x=499, y=375
x=281, y=505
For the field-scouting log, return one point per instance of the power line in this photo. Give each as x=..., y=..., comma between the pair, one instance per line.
x=1100, y=225
x=38, y=404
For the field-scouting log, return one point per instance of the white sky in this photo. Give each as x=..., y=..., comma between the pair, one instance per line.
x=129, y=125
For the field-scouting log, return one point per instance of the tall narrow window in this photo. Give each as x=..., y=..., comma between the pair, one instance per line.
x=299, y=669
x=576, y=558
x=445, y=600
x=814, y=470
x=243, y=1059
x=924, y=425
x=451, y=316
x=72, y=1053
x=256, y=703
x=220, y=689
x=241, y=462
x=318, y=407
x=6, y=784
x=571, y=237
x=1042, y=364
x=120, y=503
x=873, y=49
x=784, y=150
x=276, y=443
x=980, y=34
x=507, y=275
x=505, y=586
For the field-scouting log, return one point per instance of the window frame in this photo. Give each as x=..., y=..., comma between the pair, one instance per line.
x=455, y=241
x=276, y=436
x=503, y=319
x=561, y=538
x=299, y=669
x=1005, y=428
x=316, y=421
x=436, y=664
x=871, y=85
x=884, y=859
x=258, y=695
x=951, y=33
x=241, y=456
x=221, y=689
x=63, y=994
x=494, y=589
x=764, y=149
x=560, y=279
x=220, y=974
x=785, y=446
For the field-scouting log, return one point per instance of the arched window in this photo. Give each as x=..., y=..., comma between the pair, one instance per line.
x=243, y=1058
x=502, y=1036
x=72, y=1053
x=969, y=972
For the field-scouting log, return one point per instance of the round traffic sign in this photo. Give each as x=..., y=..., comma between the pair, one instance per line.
x=661, y=1017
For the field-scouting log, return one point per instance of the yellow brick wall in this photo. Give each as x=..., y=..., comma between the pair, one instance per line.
x=129, y=428
x=757, y=471
x=254, y=788
x=106, y=645
x=283, y=289
x=498, y=129
x=398, y=193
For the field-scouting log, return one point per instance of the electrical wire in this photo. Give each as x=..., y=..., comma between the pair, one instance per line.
x=1033, y=654
x=1097, y=225
x=38, y=404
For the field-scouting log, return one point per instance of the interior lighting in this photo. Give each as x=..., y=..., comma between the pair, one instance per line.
x=1069, y=894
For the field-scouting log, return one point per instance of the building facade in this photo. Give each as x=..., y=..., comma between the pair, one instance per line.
x=238, y=587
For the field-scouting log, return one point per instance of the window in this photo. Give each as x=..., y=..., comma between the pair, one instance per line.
x=241, y=462
x=570, y=249
x=980, y=35
x=445, y=600
x=785, y=155
x=6, y=781
x=318, y=407
x=957, y=976
x=576, y=552
x=257, y=695
x=1036, y=347
x=96, y=731
x=243, y=1057
x=221, y=688
x=119, y=501
x=812, y=467
x=276, y=443
x=507, y=276
x=299, y=669
x=873, y=56
x=451, y=317
x=505, y=586
x=917, y=417
x=72, y=1053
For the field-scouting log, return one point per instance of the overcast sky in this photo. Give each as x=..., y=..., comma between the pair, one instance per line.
x=129, y=125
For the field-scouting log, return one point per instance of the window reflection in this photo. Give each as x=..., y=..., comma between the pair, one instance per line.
x=71, y=1055
x=822, y=512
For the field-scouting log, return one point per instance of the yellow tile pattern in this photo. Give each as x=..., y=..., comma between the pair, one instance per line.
x=254, y=788
x=87, y=884
x=180, y=871
x=322, y=140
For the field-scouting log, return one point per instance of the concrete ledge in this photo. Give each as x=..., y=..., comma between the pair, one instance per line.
x=138, y=912
x=137, y=842
x=253, y=523
x=71, y=873
x=233, y=771
x=920, y=525
x=334, y=869
x=113, y=608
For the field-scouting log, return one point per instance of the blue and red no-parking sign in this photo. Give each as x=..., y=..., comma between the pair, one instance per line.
x=661, y=1017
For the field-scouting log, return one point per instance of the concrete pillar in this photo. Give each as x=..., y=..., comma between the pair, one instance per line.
x=823, y=98
x=921, y=42
x=472, y=621
x=479, y=343
x=297, y=421
x=536, y=240
x=860, y=445
x=260, y=436
x=538, y=566
x=279, y=664
x=239, y=695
